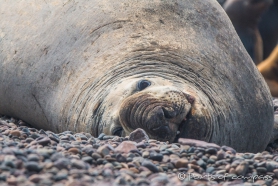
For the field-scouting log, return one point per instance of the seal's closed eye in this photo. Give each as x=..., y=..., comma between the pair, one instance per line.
x=142, y=84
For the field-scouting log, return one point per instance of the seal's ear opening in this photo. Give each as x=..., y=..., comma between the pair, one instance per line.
x=142, y=84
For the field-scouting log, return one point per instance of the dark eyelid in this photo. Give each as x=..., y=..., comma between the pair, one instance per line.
x=142, y=84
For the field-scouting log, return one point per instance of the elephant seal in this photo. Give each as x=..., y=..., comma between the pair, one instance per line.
x=268, y=27
x=269, y=70
x=245, y=16
x=175, y=68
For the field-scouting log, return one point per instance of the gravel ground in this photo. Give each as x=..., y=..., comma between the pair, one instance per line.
x=36, y=157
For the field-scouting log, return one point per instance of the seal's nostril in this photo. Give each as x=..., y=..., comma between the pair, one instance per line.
x=169, y=113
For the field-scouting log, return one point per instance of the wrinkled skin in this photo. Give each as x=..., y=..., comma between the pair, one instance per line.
x=78, y=66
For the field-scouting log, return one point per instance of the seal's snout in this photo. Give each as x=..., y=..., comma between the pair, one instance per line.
x=159, y=113
x=160, y=117
x=164, y=121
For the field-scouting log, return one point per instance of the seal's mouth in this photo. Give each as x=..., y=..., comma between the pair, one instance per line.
x=168, y=124
x=181, y=125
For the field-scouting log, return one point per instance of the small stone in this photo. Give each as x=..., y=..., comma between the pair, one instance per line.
x=138, y=135
x=74, y=150
x=54, y=157
x=142, y=181
x=82, y=136
x=104, y=150
x=242, y=168
x=101, y=136
x=26, y=131
x=35, y=178
x=121, y=158
x=226, y=148
x=165, y=158
x=87, y=159
x=75, y=183
x=145, y=154
x=88, y=149
x=100, y=161
x=9, y=163
x=261, y=164
x=2, y=177
x=202, y=164
x=96, y=156
x=44, y=141
x=210, y=170
x=34, y=135
x=180, y=163
x=126, y=147
x=12, y=181
x=107, y=172
x=33, y=166
x=232, y=171
x=221, y=172
x=156, y=156
x=275, y=171
x=197, y=143
x=54, y=137
x=60, y=176
x=211, y=151
x=150, y=166
x=67, y=132
x=107, y=137
x=79, y=164
x=220, y=155
x=248, y=155
x=109, y=165
x=141, y=144
x=160, y=180
x=15, y=133
x=62, y=163
x=261, y=170
x=33, y=157
x=42, y=132
x=192, y=166
x=91, y=141
x=66, y=138
x=271, y=165
x=133, y=169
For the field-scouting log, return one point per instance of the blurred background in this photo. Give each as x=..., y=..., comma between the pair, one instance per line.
x=256, y=23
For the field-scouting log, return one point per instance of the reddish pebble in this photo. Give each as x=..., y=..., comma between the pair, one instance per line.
x=12, y=181
x=133, y=169
x=74, y=150
x=197, y=143
x=35, y=178
x=181, y=163
x=126, y=147
x=15, y=133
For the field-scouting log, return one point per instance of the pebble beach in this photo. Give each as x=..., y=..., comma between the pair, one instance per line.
x=31, y=157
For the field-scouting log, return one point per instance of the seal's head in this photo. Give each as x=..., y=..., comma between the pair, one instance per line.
x=154, y=104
